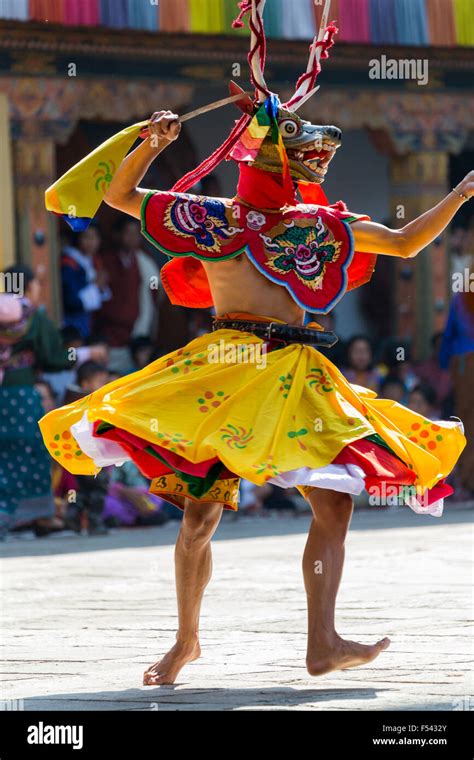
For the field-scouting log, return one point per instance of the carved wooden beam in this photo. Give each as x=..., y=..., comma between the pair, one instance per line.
x=97, y=43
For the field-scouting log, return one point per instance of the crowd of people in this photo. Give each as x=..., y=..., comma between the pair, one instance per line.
x=111, y=306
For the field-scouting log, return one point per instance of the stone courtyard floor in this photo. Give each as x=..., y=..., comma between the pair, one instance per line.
x=83, y=617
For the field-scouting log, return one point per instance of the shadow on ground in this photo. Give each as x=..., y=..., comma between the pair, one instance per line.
x=177, y=698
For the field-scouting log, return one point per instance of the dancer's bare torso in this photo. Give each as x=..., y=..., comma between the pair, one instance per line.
x=236, y=285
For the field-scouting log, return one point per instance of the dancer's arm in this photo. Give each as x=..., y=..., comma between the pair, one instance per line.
x=124, y=193
x=408, y=241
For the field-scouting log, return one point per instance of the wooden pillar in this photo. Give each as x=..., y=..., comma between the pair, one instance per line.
x=34, y=165
x=419, y=182
x=7, y=216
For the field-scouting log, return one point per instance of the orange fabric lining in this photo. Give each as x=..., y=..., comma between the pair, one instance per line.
x=186, y=284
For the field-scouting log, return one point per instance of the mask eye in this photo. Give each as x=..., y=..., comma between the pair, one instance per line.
x=289, y=128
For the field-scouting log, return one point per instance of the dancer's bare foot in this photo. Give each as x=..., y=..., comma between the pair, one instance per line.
x=341, y=654
x=166, y=671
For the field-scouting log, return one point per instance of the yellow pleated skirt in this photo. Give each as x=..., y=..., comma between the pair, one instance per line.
x=224, y=397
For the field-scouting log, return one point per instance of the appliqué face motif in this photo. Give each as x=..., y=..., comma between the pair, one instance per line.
x=255, y=220
x=304, y=247
x=207, y=220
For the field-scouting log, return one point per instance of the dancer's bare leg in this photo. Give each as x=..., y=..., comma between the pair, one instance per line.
x=323, y=560
x=193, y=569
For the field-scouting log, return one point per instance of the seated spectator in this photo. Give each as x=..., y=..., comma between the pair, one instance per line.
x=337, y=353
x=128, y=501
x=89, y=378
x=392, y=387
x=422, y=400
x=430, y=372
x=397, y=362
x=47, y=395
x=132, y=277
x=457, y=355
x=84, y=289
x=252, y=497
x=360, y=363
x=29, y=344
x=72, y=337
x=86, y=511
x=280, y=499
x=64, y=484
x=141, y=350
x=65, y=487
x=75, y=345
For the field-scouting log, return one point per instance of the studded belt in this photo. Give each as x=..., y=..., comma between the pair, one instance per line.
x=275, y=331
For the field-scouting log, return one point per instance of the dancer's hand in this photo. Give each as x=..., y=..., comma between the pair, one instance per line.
x=124, y=192
x=164, y=128
x=466, y=186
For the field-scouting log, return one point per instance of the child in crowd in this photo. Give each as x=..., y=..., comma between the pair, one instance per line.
x=141, y=350
x=422, y=400
x=392, y=387
x=47, y=395
x=360, y=368
x=89, y=378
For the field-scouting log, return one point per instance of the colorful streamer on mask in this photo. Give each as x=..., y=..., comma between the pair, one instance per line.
x=264, y=121
x=251, y=139
x=273, y=104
